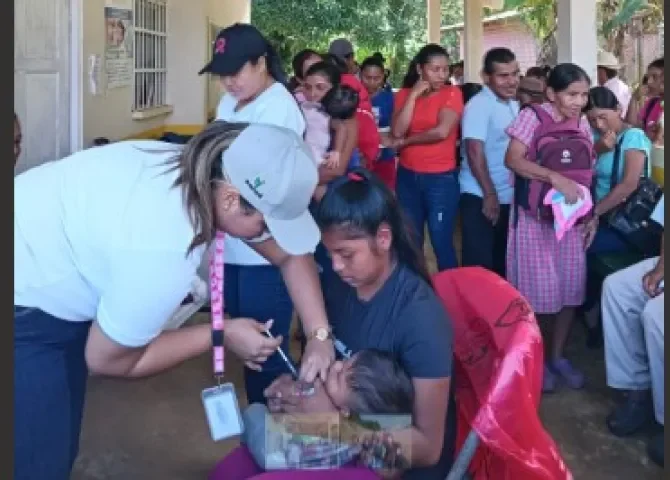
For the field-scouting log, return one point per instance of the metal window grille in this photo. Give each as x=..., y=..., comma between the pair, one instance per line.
x=150, y=79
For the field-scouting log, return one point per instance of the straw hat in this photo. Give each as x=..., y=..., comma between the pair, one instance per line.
x=608, y=60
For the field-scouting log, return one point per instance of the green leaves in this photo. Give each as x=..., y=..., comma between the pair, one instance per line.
x=397, y=28
x=625, y=12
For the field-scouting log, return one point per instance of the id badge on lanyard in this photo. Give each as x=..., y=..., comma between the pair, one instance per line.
x=220, y=401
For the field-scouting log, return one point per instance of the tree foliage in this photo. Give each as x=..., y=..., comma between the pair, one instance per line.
x=615, y=21
x=397, y=28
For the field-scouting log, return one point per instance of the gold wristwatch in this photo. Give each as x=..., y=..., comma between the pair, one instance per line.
x=321, y=334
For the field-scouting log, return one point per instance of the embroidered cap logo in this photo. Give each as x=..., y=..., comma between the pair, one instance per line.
x=220, y=46
x=255, y=185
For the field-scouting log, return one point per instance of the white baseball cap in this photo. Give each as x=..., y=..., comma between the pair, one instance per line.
x=274, y=171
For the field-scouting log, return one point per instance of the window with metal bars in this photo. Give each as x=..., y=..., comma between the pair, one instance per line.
x=150, y=79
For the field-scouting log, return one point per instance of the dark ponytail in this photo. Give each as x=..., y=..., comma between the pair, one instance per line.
x=359, y=203
x=423, y=57
x=275, y=68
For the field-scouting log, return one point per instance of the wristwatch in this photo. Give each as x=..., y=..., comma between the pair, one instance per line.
x=321, y=334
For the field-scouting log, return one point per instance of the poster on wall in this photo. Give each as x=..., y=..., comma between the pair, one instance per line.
x=119, y=46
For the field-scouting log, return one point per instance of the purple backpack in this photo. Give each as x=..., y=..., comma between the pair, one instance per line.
x=561, y=147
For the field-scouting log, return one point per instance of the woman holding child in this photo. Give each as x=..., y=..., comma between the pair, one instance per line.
x=380, y=299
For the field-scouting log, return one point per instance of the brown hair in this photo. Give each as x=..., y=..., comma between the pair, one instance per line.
x=199, y=164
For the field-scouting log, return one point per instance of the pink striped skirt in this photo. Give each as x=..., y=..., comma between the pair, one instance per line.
x=550, y=274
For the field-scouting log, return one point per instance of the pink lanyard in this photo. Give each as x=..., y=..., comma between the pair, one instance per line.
x=216, y=307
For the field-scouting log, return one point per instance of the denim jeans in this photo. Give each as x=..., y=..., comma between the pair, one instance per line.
x=484, y=244
x=50, y=376
x=259, y=292
x=431, y=198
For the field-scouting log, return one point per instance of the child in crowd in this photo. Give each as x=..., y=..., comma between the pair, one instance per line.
x=369, y=383
x=18, y=137
x=368, y=141
x=327, y=105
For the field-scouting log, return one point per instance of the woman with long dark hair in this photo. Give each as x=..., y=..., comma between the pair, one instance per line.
x=250, y=71
x=425, y=127
x=380, y=298
x=373, y=76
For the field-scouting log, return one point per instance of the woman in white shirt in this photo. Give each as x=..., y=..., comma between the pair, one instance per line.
x=252, y=77
x=116, y=234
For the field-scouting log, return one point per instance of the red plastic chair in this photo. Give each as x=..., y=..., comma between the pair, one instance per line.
x=498, y=379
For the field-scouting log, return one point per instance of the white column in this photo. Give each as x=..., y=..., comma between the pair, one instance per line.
x=577, y=34
x=473, y=40
x=434, y=20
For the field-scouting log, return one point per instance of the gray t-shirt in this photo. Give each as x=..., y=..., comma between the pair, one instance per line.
x=406, y=318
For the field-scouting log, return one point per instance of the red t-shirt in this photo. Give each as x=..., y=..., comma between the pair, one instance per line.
x=438, y=157
x=368, y=135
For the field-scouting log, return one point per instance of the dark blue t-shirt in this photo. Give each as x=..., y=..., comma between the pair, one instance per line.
x=382, y=107
x=406, y=318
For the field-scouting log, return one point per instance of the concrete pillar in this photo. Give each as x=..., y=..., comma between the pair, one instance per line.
x=473, y=40
x=577, y=34
x=434, y=20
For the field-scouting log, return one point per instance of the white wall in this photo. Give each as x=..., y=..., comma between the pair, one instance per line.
x=108, y=114
x=187, y=52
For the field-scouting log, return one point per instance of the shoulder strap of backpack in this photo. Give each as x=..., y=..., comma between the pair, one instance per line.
x=542, y=115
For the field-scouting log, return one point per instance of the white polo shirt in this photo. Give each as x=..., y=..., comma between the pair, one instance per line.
x=275, y=106
x=103, y=235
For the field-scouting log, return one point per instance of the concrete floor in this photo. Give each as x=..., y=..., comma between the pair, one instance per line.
x=156, y=429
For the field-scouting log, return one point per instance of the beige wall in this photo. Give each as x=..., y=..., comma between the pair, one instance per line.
x=108, y=114
x=222, y=14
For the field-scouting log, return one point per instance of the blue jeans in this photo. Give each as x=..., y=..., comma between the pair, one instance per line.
x=50, y=376
x=259, y=292
x=431, y=198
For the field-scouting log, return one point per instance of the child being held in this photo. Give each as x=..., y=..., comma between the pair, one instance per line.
x=327, y=105
x=324, y=133
x=369, y=383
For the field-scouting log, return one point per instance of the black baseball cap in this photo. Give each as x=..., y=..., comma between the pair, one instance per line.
x=234, y=47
